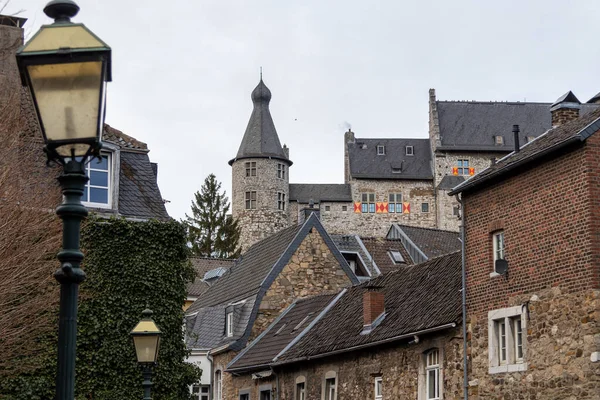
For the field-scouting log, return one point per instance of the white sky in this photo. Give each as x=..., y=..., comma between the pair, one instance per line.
x=183, y=71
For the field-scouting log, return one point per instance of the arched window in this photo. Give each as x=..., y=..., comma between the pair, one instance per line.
x=329, y=391
x=218, y=385
x=432, y=375
x=300, y=393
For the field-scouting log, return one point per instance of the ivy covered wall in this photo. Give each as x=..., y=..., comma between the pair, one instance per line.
x=130, y=266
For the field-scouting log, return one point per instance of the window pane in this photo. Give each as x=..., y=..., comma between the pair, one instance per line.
x=431, y=384
x=391, y=207
x=392, y=198
x=103, y=164
x=364, y=207
x=371, y=198
x=98, y=178
x=85, y=194
x=99, y=195
x=364, y=198
x=371, y=207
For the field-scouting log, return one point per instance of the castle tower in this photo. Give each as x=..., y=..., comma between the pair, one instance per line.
x=260, y=193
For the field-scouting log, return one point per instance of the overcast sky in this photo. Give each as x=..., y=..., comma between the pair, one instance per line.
x=183, y=71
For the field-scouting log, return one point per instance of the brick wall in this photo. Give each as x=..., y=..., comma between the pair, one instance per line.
x=550, y=224
x=312, y=270
x=563, y=115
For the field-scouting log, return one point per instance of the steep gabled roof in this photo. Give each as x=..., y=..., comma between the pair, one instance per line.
x=304, y=192
x=260, y=139
x=252, y=275
x=380, y=248
x=365, y=163
x=287, y=328
x=418, y=299
x=594, y=99
x=547, y=145
x=472, y=125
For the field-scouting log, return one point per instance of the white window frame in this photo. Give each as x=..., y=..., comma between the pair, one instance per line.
x=498, y=249
x=110, y=162
x=432, y=364
x=330, y=394
x=510, y=360
x=380, y=150
x=378, y=389
x=300, y=391
x=396, y=256
x=218, y=385
x=410, y=151
x=229, y=324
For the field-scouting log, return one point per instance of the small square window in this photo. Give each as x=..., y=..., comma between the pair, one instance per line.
x=456, y=211
x=250, y=168
x=462, y=166
x=380, y=150
x=506, y=340
x=409, y=150
x=327, y=208
x=251, y=200
x=344, y=208
x=396, y=256
x=499, y=140
x=425, y=207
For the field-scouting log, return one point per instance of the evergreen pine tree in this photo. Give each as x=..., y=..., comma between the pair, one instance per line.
x=211, y=231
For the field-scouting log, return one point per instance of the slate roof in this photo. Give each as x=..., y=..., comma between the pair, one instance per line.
x=450, y=181
x=417, y=298
x=595, y=98
x=472, y=125
x=251, y=276
x=366, y=164
x=556, y=139
x=431, y=242
x=379, y=249
x=304, y=192
x=139, y=195
x=260, y=139
x=353, y=244
x=202, y=265
x=263, y=350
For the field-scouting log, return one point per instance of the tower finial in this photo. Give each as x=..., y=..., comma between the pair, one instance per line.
x=261, y=73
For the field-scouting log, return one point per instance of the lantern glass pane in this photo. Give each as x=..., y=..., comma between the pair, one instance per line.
x=68, y=100
x=146, y=347
x=73, y=36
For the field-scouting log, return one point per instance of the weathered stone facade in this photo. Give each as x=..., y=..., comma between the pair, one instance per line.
x=265, y=218
x=400, y=365
x=550, y=216
x=312, y=270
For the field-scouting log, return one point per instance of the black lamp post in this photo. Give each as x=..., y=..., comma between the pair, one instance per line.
x=146, y=339
x=66, y=67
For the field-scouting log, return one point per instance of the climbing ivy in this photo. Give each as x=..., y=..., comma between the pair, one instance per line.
x=130, y=266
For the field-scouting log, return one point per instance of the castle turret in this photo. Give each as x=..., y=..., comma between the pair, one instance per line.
x=260, y=175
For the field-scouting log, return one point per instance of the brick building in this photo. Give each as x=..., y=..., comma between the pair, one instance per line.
x=532, y=224
x=400, y=180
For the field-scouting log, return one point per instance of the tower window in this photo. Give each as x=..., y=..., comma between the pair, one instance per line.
x=251, y=168
x=281, y=171
x=380, y=150
x=280, y=201
x=251, y=200
x=410, y=151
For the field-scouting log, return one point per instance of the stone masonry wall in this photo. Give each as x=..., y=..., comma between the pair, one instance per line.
x=220, y=362
x=312, y=270
x=266, y=219
x=549, y=219
x=400, y=365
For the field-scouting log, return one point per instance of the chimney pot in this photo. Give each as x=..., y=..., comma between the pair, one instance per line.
x=516, y=135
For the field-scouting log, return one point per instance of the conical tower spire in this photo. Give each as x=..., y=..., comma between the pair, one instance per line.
x=260, y=139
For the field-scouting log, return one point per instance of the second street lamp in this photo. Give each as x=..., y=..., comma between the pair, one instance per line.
x=146, y=339
x=66, y=67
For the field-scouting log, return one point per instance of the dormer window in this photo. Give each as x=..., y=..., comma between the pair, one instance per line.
x=229, y=324
x=97, y=193
x=380, y=150
x=409, y=150
x=499, y=140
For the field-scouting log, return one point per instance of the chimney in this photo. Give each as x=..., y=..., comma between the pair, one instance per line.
x=516, y=138
x=306, y=211
x=373, y=305
x=348, y=138
x=565, y=109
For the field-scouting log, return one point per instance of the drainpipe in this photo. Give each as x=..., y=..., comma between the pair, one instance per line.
x=464, y=299
x=212, y=374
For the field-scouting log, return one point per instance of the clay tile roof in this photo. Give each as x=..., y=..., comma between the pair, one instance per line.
x=124, y=141
x=432, y=242
x=261, y=352
x=419, y=297
x=380, y=248
x=202, y=265
x=574, y=131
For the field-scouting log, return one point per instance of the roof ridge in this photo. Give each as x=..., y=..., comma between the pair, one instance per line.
x=425, y=228
x=494, y=102
x=213, y=258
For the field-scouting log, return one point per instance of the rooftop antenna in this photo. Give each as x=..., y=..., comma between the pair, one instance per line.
x=261, y=73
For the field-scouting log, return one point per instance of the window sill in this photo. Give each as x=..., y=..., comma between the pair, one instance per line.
x=500, y=369
x=494, y=274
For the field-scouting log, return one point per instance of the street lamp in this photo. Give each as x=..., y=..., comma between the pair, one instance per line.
x=66, y=67
x=146, y=339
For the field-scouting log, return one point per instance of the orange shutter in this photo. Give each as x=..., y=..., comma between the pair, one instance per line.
x=406, y=208
x=454, y=170
x=385, y=208
x=357, y=208
x=471, y=171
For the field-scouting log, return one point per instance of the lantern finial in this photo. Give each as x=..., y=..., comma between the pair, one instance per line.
x=61, y=10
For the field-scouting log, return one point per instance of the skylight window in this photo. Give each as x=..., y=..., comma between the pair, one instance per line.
x=410, y=150
x=396, y=256
x=380, y=150
x=280, y=329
